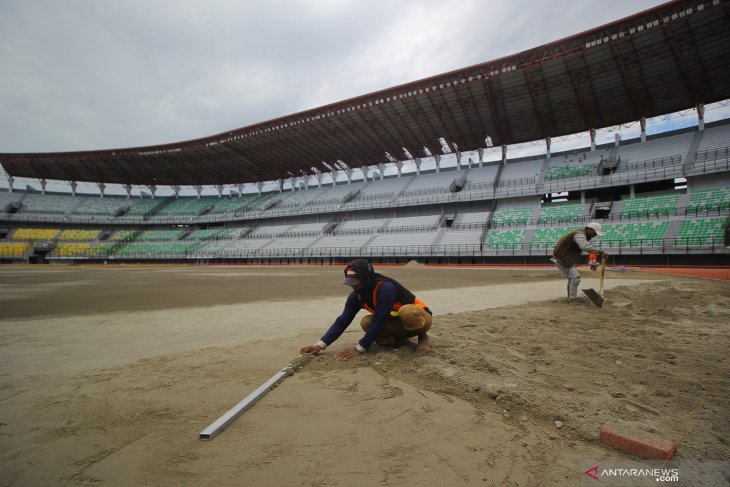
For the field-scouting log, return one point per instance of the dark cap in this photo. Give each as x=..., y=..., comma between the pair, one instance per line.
x=351, y=278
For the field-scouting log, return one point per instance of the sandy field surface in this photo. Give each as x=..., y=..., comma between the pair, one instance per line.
x=109, y=374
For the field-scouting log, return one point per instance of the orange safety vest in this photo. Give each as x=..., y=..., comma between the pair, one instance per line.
x=396, y=305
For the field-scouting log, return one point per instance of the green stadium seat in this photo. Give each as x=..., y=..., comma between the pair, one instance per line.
x=505, y=239
x=562, y=212
x=701, y=231
x=665, y=204
x=518, y=216
x=711, y=199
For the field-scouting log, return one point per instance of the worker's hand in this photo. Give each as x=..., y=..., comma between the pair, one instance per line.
x=311, y=349
x=348, y=354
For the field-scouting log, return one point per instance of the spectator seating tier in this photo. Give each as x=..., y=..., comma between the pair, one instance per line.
x=518, y=216
x=634, y=234
x=36, y=233
x=505, y=239
x=665, y=204
x=569, y=171
x=710, y=199
x=69, y=250
x=701, y=231
x=78, y=235
x=14, y=249
x=562, y=212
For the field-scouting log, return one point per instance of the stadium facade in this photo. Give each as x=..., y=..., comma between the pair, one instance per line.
x=663, y=198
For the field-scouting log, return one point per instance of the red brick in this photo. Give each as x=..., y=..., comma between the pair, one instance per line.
x=650, y=448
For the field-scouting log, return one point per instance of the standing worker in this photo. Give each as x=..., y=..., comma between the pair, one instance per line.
x=396, y=313
x=569, y=249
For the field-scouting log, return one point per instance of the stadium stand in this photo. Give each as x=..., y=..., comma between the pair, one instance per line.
x=634, y=234
x=709, y=199
x=36, y=234
x=124, y=235
x=155, y=249
x=307, y=229
x=158, y=235
x=50, y=204
x=288, y=243
x=402, y=240
x=429, y=183
x=476, y=211
x=144, y=206
x=456, y=239
x=6, y=199
x=14, y=249
x=665, y=204
x=522, y=169
x=69, y=249
x=101, y=206
x=656, y=148
x=512, y=216
x=481, y=177
x=360, y=226
x=205, y=234
x=564, y=212
x=429, y=222
x=471, y=219
x=188, y=206
x=270, y=231
x=235, y=204
x=715, y=138
x=100, y=250
x=545, y=238
x=334, y=242
x=505, y=239
x=570, y=171
x=701, y=231
x=77, y=235
x=234, y=247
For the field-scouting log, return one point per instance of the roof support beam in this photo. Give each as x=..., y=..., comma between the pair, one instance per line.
x=496, y=106
x=627, y=61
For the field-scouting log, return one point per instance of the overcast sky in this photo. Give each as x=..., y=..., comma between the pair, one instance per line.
x=102, y=74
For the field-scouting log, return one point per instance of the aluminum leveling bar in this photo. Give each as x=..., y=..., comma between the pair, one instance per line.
x=220, y=424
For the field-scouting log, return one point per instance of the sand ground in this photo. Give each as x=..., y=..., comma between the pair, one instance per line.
x=108, y=374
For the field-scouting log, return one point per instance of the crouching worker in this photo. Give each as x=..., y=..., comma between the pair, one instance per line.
x=396, y=314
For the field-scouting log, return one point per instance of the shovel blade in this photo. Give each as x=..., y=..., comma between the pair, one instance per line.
x=595, y=298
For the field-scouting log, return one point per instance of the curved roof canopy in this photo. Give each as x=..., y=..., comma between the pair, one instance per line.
x=669, y=58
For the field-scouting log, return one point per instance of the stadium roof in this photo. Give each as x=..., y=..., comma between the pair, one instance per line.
x=666, y=59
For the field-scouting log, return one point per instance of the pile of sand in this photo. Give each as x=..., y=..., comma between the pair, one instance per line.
x=648, y=363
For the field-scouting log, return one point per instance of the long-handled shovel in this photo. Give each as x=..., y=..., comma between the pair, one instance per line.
x=597, y=297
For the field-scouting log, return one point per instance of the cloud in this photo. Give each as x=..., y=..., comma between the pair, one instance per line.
x=81, y=75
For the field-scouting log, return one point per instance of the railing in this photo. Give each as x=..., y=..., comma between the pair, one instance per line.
x=713, y=154
x=508, y=183
x=709, y=165
x=649, y=164
x=375, y=196
x=377, y=231
x=423, y=191
x=478, y=186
